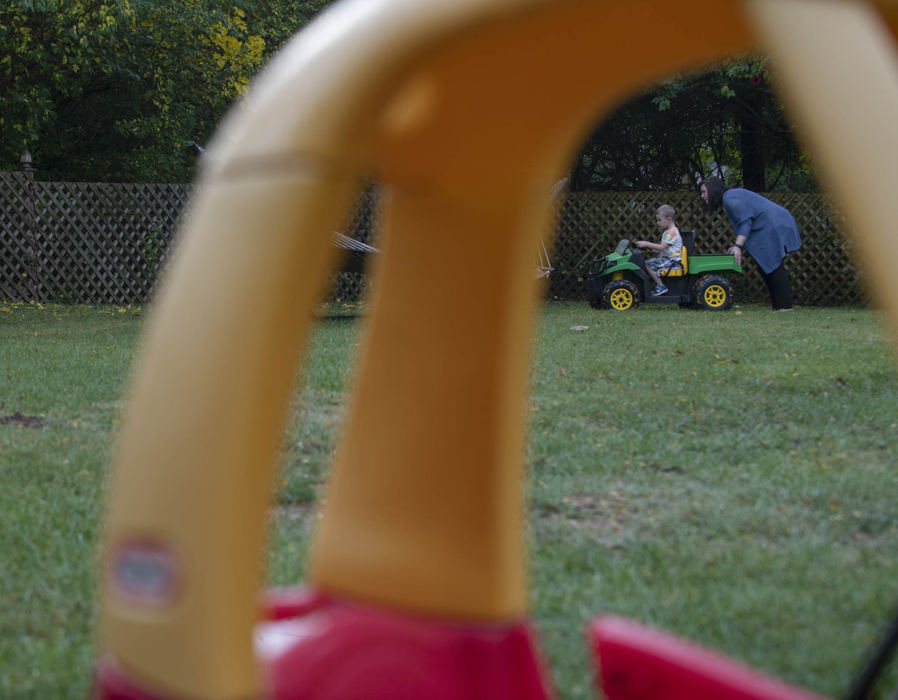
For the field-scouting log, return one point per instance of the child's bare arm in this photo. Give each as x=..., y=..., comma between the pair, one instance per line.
x=657, y=247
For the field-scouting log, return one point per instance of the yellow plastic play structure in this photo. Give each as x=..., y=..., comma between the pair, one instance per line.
x=434, y=98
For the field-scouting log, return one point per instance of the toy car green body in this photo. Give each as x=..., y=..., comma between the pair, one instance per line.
x=619, y=280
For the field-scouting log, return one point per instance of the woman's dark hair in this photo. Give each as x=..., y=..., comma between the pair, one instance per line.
x=715, y=188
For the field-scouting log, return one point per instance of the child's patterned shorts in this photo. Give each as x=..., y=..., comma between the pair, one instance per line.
x=663, y=262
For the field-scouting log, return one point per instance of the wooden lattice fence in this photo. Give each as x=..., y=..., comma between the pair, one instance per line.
x=100, y=243
x=84, y=242
x=107, y=243
x=591, y=224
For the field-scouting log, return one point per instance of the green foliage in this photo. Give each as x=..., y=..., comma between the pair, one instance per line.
x=278, y=20
x=53, y=53
x=114, y=89
x=725, y=120
x=153, y=246
x=195, y=59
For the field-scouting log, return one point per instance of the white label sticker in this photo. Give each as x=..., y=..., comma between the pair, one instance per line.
x=145, y=573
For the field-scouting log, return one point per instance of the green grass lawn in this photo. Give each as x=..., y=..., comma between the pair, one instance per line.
x=727, y=476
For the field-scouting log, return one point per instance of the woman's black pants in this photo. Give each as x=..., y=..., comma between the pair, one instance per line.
x=779, y=287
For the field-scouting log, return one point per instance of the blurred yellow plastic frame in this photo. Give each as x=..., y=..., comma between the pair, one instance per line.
x=467, y=111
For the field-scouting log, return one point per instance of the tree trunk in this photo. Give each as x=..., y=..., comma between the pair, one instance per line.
x=751, y=146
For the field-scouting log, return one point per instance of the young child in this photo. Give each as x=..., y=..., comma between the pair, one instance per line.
x=669, y=248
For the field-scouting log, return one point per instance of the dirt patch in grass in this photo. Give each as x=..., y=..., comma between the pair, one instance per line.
x=20, y=420
x=600, y=514
x=604, y=517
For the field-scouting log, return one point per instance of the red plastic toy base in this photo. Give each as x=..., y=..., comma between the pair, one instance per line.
x=638, y=663
x=317, y=648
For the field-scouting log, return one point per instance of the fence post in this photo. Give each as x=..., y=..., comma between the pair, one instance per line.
x=33, y=280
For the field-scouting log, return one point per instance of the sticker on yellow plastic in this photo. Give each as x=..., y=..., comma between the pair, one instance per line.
x=144, y=573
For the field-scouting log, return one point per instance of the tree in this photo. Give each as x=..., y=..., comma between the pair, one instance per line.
x=192, y=59
x=278, y=20
x=53, y=53
x=723, y=120
x=114, y=89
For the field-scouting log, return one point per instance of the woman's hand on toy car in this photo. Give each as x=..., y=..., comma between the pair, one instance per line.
x=736, y=252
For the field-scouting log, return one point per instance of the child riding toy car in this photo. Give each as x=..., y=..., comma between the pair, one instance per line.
x=619, y=280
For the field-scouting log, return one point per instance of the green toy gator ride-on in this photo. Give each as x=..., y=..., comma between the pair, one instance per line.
x=619, y=280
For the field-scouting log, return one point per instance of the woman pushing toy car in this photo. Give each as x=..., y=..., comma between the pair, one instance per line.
x=763, y=228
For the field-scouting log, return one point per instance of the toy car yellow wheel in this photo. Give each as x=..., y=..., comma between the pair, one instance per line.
x=620, y=295
x=713, y=292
